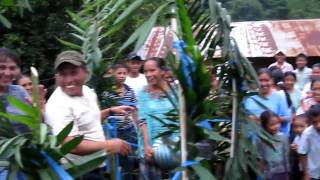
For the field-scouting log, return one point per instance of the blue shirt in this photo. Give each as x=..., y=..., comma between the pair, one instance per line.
x=21, y=94
x=274, y=103
x=150, y=104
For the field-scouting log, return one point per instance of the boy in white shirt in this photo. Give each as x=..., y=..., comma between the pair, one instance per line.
x=135, y=79
x=309, y=146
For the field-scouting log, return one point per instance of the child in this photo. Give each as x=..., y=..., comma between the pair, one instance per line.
x=125, y=123
x=299, y=124
x=309, y=147
x=274, y=161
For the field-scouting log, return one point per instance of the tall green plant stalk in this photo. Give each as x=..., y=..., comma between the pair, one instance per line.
x=205, y=24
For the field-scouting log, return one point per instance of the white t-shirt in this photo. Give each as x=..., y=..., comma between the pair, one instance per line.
x=61, y=109
x=136, y=83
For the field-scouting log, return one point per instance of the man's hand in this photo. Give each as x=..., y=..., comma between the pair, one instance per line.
x=121, y=109
x=294, y=147
x=118, y=146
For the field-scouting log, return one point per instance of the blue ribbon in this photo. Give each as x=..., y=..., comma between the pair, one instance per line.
x=207, y=122
x=188, y=65
x=63, y=174
x=178, y=174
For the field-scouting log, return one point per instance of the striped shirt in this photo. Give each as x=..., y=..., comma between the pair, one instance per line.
x=128, y=99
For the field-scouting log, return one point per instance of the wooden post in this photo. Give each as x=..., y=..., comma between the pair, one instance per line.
x=234, y=116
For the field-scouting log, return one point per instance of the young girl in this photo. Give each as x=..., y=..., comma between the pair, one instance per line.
x=299, y=124
x=152, y=101
x=290, y=80
x=274, y=162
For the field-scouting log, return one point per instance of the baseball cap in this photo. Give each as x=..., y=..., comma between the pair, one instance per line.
x=72, y=57
x=280, y=51
x=134, y=56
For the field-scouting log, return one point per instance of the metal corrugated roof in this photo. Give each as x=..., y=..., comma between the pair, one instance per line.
x=263, y=38
x=254, y=38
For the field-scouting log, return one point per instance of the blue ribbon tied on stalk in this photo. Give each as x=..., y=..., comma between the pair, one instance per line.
x=188, y=66
x=59, y=170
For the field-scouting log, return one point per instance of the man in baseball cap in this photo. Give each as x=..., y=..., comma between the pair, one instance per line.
x=281, y=63
x=135, y=79
x=72, y=101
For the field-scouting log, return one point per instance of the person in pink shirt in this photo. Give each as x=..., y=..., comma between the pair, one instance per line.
x=281, y=62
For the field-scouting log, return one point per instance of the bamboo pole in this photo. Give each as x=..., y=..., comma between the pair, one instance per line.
x=234, y=116
x=182, y=110
x=183, y=131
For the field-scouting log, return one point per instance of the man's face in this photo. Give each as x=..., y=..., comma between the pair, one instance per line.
x=299, y=125
x=301, y=62
x=8, y=72
x=134, y=65
x=121, y=75
x=71, y=79
x=280, y=58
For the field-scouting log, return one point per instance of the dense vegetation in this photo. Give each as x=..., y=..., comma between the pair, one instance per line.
x=33, y=34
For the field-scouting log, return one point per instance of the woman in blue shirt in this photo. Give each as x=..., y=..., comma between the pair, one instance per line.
x=272, y=100
x=152, y=101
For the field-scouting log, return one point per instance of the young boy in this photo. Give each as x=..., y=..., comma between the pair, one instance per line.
x=299, y=124
x=309, y=147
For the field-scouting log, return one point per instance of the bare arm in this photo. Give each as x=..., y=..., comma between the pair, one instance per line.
x=303, y=159
x=117, y=109
x=135, y=117
x=88, y=146
x=262, y=166
x=147, y=146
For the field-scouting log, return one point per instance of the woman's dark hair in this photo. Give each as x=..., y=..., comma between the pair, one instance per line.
x=317, y=65
x=6, y=54
x=289, y=73
x=119, y=65
x=265, y=117
x=21, y=76
x=167, y=68
x=264, y=71
x=313, y=112
x=160, y=62
x=277, y=76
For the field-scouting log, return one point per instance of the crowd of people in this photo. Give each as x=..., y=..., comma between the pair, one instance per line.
x=287, y=108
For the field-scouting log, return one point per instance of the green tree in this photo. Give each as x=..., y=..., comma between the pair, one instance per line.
x=246, y=10
x=33, y=36
x=275, y=9
x=304, y=9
